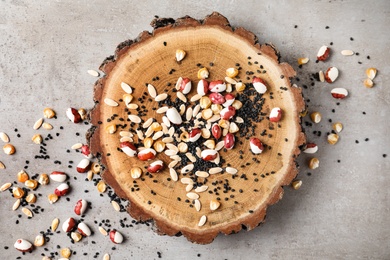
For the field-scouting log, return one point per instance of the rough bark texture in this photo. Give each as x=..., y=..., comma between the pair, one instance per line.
x=152, y=54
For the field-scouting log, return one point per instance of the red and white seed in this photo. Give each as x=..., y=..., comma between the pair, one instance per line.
x=256, y=145
x=275, y=115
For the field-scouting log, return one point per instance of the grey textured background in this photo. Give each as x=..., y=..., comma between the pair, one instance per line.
x=340, y=212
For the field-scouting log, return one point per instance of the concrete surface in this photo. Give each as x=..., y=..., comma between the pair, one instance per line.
x=340, y=212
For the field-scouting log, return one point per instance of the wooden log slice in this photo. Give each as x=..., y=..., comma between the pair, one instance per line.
x=244, y=196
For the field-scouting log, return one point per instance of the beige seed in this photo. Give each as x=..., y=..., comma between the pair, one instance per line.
x=135, y=119
x=167, y=139
x=216, y=108
x=237, y=104
x=196, y=110
x=111, y=129
x=371, y=73
x=149, y=132
x=210, y=144
x=231, y=72
x=126, y=88
x=147, y=123
x=321, y=76
x=54, y=224
x=103, y=231
x=189, y=187
x=202, y=221
x=219, y=145
x=159, y=146
x=140, y=134
x=127, y=98
x=65, y=252
x=101, y=186
x=125, y=133
x=347, y=52
x=316, y=117
x=230, y=80
x=203, y=73
x=205, y=133
x=158, y=135
x=172, y=147
x=132, y=106
x=90, y=175
x=205, y=102
x=46, y=258
x=188, y=168
x=368, y=83
x=224, y=123
x=106, y=257
x=27, y=212
x=37, y=139
x=195, y=98
x=2, y=166
x=333, y=138
x=233, y=128
x=182, y=147
x=202, y=188
x=161, y=97
x=43, y=179
x=166, y=121
x=214, y=118
x=148, y=142
x=49, y=113
x=214, y=204
x=22, y=176
x=136, y=172
x=338, y=127
x=77, y=146
x=170, y=152
x=38, y=124
x=215, y=170
x=53, y=198
x=314, y=163
x=31, y=184
x=83, y=113
x=171, y=131
x=16, y=205
x=115, y=205
x=96, y=167
x=161, y=110
x=93, y=73
x=39, y=240
x=197, y=205
x=186, y=180
x=180, y=54
x=231, y=170
x=181, y=96
x=239, y=120
x=76, y=236
x=4, y=137
x=173, y=174
x=207, y=113
x=198, y=152
x=192, y=195
x=302, y=61
x=189, y=114
x=229, y=88
x=178, y=83
x=152, y=91
x=202, y=174
x=18, y=192
x=47, y=126
x=9, y=149
x=184, y=136
x=31, y=198
x=126, y=139
x=296, y=184
x=240, y=87
x=110, y=102
x=191, y=157
x=5, y=186
x=172, y=164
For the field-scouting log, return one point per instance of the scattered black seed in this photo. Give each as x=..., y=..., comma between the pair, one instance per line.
x=295, y=26
x=384, y=155
x=165, y=43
